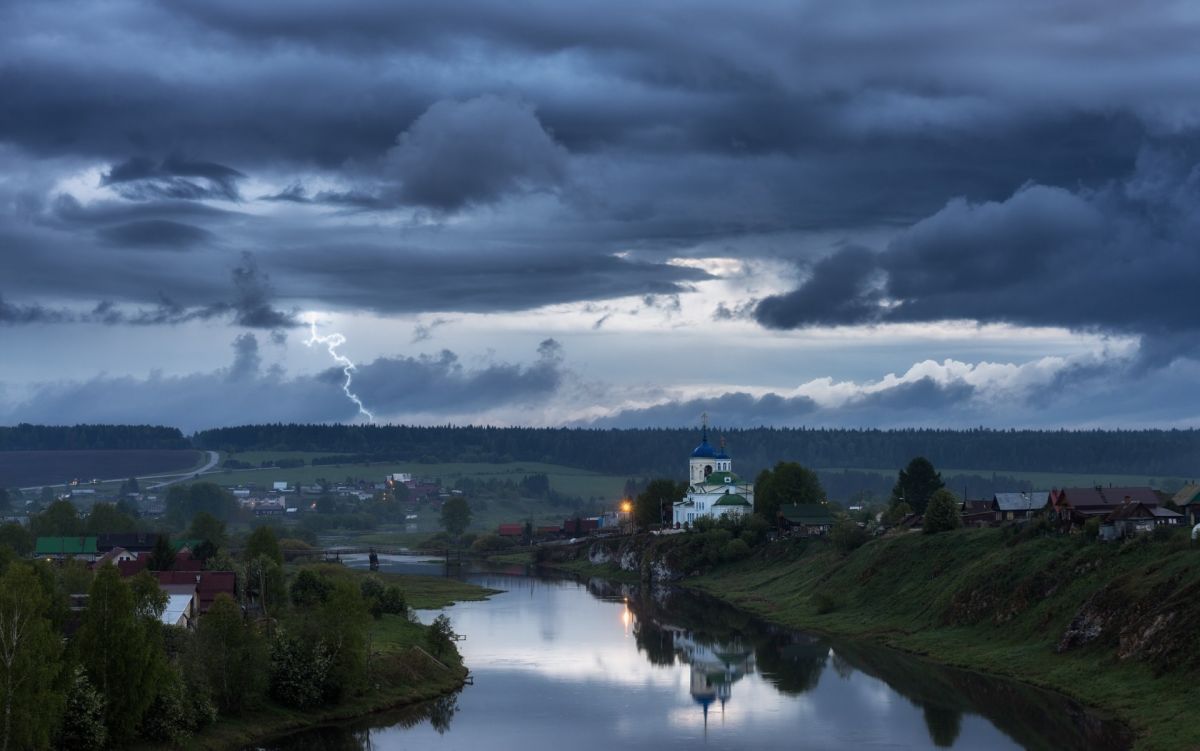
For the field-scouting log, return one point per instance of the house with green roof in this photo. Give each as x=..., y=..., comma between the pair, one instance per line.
x=805, y=518
x=65, y=547
x=1188, y=501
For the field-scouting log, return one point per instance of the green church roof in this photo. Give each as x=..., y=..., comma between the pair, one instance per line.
x=732, y=499
x=722, y=478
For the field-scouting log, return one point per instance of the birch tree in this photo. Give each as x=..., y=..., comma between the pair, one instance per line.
x=30, y=661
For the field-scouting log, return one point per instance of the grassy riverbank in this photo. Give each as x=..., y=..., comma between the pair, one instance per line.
x=985, y=600
x=401, y=670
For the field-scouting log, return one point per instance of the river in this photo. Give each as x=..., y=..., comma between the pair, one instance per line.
x=596, y=666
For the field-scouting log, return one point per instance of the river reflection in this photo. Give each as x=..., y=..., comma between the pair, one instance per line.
x=559, y=664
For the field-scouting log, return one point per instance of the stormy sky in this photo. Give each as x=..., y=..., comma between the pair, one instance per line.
x=860, y=214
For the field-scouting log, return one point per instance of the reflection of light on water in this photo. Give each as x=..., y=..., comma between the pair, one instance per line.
x=626, y=617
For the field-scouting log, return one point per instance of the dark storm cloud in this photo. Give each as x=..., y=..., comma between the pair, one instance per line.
x=13, y=315
x=251, y=305
x=475, y=152
x=405, y=280
x=154, y=233
x=1120, y=258
x=141, y=178
x=440, y=383
x=839, y=289
x=246, y=392
x=252, y=298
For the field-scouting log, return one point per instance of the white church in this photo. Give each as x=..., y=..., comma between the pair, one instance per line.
x=713, y=489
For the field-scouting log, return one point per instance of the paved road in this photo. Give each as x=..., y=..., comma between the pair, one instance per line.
x=213, y=458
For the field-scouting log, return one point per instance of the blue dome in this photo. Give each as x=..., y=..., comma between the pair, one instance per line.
x=721, y=455
x=704, y=450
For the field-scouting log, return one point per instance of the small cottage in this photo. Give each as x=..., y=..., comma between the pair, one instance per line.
x=805, y=519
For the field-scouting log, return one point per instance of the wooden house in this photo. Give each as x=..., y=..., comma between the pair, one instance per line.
x=805, y=518
x=1072, y=507
x=1188, y=501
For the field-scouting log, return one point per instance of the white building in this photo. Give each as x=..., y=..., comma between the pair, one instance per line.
x=713, y=488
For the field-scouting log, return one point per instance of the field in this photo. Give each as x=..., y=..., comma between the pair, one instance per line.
x=565, y=480
x=30, y=468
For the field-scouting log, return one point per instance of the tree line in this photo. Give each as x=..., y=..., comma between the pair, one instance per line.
x=658, y=451
x=26, y=437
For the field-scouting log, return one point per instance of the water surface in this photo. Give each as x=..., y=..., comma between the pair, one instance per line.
x=595, y=667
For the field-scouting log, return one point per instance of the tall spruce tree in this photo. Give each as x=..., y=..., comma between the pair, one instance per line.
x=916, y=484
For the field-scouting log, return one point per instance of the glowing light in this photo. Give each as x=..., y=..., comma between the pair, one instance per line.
x=332, y=342
x=626, y=618
x=626, y=507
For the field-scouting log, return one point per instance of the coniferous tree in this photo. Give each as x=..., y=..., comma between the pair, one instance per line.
x=916, y=484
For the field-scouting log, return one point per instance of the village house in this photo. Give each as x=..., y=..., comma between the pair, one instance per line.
x=1188, y=501
x=1009, y=507
x=805, y=519
x=1134, y=518
x=1072, y=507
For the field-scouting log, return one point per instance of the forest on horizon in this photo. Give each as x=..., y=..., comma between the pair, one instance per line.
x=661, y=451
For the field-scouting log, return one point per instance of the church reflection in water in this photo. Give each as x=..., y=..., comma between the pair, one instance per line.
x=715, y=667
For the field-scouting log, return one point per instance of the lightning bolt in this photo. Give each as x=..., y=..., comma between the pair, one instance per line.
x=332, y=342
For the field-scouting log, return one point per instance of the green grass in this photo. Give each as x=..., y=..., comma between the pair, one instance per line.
x=970, y=599
x=566, y=480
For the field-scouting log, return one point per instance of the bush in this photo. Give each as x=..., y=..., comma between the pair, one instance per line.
x=1163, y=533
x=735, y=550
x=490, y=543
x=83, y=722
x=942, y=515
x=847, y=536
x=299, y=674
x=440, y=636
x=169, y=718
x=1091, y=529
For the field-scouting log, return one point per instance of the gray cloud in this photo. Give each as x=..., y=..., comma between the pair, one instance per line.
x=246, y=392
x=154, y=233
x=1118, y=259
x=839, y=289
x=141, y=178
x=475, y=152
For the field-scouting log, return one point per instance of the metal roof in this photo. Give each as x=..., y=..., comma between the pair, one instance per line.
x=1030, y=501
x=65, y=546
x=806, y=513
x=1188, y=495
